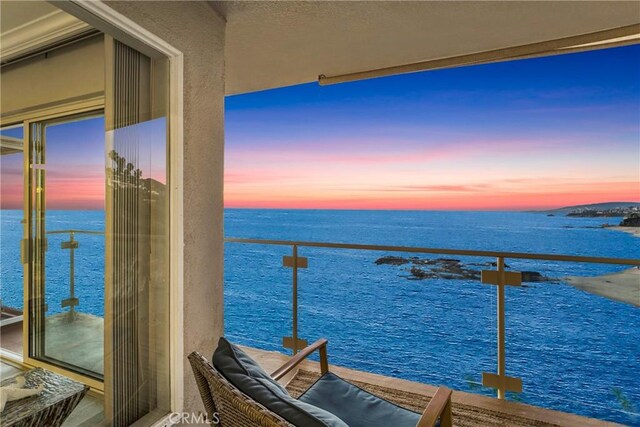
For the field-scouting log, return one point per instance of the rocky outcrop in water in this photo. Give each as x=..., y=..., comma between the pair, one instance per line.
x=392, y=260
x=443, y=268
x=449, y=268
x=632, y=220
x=534, y=276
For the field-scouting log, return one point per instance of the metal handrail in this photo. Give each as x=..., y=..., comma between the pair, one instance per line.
x=499, y=277
x=74, y=231
x=443, y=251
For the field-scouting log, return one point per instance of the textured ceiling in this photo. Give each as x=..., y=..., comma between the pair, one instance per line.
x=272, y=44
x=275, y=43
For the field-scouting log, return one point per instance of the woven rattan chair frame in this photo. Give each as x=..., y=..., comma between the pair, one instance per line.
x=227, y=405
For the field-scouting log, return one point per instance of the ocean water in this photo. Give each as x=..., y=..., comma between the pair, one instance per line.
x=574, y=351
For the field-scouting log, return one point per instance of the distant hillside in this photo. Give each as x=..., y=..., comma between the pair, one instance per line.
x=596, y=209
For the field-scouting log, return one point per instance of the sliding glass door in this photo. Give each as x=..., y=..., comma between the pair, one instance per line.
x=94, y=236
x=66, y=325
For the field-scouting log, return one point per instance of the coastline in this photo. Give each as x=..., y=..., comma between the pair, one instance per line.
x=634, y=231
x=623, y=286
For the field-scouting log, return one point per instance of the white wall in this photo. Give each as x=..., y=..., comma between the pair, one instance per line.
x=197, y=30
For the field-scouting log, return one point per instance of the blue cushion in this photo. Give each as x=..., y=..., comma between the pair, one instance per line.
x=245, y=374
x=356, y=407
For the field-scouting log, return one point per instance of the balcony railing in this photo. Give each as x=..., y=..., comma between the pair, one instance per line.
x=15, y=315
x=499, y=277
x=71, y=245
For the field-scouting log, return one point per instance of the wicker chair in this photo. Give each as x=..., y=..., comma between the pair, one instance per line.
x=227, y=406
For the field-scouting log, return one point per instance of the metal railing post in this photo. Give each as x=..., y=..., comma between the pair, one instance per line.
x=501, y=278
x=294, y=262
x=72, y=301
x=501, y=328
x=295, y=299
x=72, y=271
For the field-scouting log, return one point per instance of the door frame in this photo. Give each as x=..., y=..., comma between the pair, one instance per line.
x=107, y=20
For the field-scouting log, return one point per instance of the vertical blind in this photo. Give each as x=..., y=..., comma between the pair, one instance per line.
x=137, y=243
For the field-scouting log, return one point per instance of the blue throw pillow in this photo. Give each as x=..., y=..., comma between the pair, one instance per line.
x=245, y=374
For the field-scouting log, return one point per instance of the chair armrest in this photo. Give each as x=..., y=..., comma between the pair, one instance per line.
x=320, y=345
x=438, y=408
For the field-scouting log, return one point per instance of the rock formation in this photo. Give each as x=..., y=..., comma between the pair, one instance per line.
x=450, y=269
x=632, y=220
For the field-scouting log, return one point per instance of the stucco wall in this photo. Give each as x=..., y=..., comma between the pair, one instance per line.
x=197, y=30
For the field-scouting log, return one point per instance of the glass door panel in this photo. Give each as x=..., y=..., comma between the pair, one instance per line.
x=67, y=290
x=11, y=235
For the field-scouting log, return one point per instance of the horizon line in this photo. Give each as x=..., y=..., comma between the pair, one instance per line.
x=532, y=209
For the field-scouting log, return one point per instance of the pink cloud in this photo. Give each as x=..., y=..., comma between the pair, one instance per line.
x=383, y=152
x=508, y=194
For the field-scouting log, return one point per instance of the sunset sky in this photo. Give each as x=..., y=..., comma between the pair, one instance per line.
x=527, y=134
x=74, y=170
x=530, y=134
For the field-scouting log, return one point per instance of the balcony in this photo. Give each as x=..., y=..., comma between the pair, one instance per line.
x=471, y=328
x=77, y=341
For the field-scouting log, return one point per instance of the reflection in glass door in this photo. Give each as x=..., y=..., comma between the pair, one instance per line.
x=11, y=237
x=66, y=327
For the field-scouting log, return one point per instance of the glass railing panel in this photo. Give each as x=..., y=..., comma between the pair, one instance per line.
x=429, y=318
x=378, y=317
x=388, y=319
x=75, y=295
x=257, y=295
x=575, y=351
x=88, y=262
